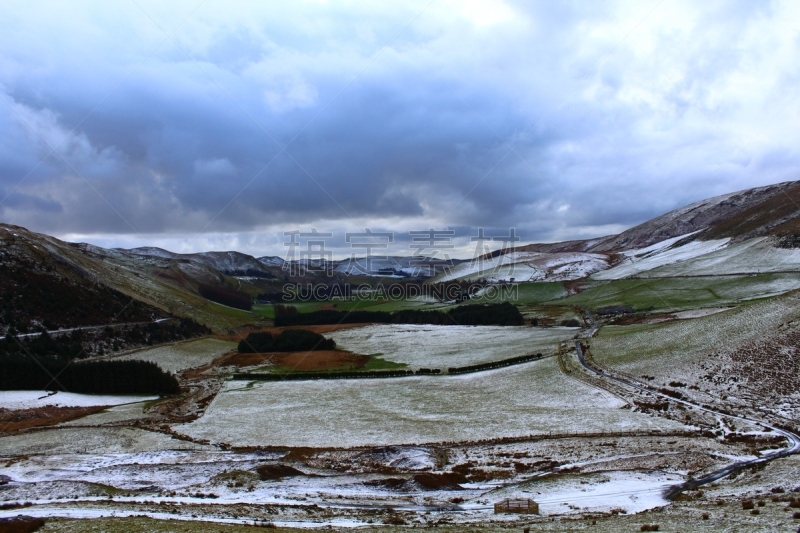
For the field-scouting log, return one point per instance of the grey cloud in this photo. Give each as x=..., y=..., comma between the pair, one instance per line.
x=547, y=121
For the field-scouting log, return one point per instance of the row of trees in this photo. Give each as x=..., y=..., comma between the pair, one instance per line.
x=291, y=340
x=396, y=373
x=494, y=364
x=302, y=376
x=503, y=314
x=80, y=344
x=33, y=294
x=226, y=296
x=18, y=372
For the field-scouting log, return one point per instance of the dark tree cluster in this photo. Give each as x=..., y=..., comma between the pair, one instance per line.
x=66, y=347
x=494, y=364
x=23, y=372
x=285, y=310
x=32, y=294
x=87, y=343
x=226, y=296
x=329, y=316
x=79, y=344
x=271, y=297
x=612, y=310
x=453, y=290
x=291, y=340
x=503, y=314
x=304, y=376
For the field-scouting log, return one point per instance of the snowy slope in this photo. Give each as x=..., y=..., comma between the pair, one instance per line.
x=25, y=399
x=529, y=266
x=657, y=255
x=271, y=260
x=226, y=262
x=699, y=216
x=749, y=257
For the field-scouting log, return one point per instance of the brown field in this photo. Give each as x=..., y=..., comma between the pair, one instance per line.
x=321, y=329
x=13, y=421
x=298, y=361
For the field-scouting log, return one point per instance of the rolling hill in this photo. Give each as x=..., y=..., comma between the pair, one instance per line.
x=744, y=232
x=48, y=281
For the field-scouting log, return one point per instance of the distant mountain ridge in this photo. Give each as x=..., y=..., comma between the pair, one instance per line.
x=740, y=215
x=751, y=231
x=684, y=235
x=720, y=216
x=231, y=263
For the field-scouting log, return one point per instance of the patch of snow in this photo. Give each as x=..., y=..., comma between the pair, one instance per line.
x=271, y=260
x=632, y=491
x=429, y=346
x=634, y=265
x=527, y=399
x=697, y=313
x=31, y=399
x=666, y=243
x=528, y=266
x=749, y=257
x=183, y=355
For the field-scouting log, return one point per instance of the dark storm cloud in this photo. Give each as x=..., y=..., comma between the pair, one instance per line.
x=561, y=119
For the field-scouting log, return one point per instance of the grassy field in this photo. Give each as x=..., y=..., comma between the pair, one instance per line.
x=527, y=293
x=527, y=399
x=523, y=293
x=381, y=304
x=726, y=356
x=682, y=293
x=377, y=362
x=751, y=256
x=669, y=343
x=183, y=355
x=264, y=310
x=427, y=346
x=678, y=517
x=49, y=443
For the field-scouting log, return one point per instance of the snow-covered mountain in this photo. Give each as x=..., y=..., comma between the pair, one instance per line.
x=746, y=232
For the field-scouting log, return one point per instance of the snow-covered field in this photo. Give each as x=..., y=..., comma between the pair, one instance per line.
x=671, y=346
x=630, y=491
x=68, y=440
x=112, y=415
x=657, y=255
x=526, y=399
x=752, y=256
x=183, y=355
x=703, y=311
x=745, y=356
x=30, y=399
x=528, y=266
x=121, y=471
x=421, y=346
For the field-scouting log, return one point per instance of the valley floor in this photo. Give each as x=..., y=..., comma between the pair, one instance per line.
x=402, y=454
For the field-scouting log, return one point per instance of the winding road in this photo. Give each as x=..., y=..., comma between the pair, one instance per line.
x=672, y=492
x=86, y=328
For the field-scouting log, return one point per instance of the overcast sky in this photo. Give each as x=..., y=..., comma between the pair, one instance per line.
x=217, y=125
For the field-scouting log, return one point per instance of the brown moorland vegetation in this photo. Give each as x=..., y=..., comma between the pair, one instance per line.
x=15, y=420
x=318, y=360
